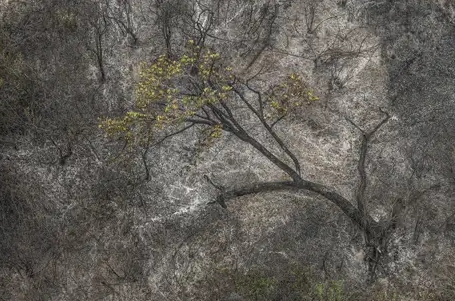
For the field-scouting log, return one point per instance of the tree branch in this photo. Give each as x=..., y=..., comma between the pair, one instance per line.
x=226, y=195
x=363, y=220
x=342, y=203
x=274, y=159
x=264, y=122
x=174, y=133
x=230, y=124
x=227, y=120
x=360, y=194
x=278, y=120
x=222, y=191
x=201, y=121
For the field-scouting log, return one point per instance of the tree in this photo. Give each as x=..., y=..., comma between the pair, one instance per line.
x=197, y=90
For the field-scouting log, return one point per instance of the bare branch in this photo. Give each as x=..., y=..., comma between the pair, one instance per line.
x=269, y=128
x=370, y=134
x=355, y=125
x=278, y=120
x=243, y=135
x=253, y=189
x=260, y=102
x=222, y=191
x=364, y=221
x=352, y=212
x=227, y=119
x=174, y=133
x=360, y=194
x=201, y=121
x=219, y=187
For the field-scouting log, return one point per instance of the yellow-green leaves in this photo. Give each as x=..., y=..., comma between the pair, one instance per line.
x=291, y=92
x=311, y=96
x=209, y=136
x=155, y=81
x=170, y=91
x=160, y=83
x=191, y=88
x=217, y=131
x=131, y=127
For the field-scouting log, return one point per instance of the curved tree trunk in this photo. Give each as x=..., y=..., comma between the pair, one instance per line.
x=376, y=234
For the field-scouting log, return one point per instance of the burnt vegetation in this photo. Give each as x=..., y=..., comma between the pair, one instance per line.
x=226, y=150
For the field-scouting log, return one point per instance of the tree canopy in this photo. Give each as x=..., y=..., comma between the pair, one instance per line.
x=197, y=88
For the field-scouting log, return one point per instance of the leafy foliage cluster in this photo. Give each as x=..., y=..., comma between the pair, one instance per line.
x=189, y=90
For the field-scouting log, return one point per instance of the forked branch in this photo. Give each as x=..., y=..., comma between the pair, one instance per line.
x=366, y=136
x=260, y=115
